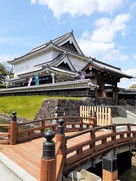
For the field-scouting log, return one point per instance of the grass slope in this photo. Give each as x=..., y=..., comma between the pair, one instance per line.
x=25, y=106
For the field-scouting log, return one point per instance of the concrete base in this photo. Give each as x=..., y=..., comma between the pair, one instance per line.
x=90, y=176
x=83, y=175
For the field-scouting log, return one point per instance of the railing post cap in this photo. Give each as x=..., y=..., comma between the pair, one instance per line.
x=49, y=135
x=13, y=117
x=14, y=113
x=61, y=121
x=49, y=145
x=60, y=127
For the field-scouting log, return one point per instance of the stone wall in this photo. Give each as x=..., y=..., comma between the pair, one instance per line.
x=6, y=118
x=53, y=108
x=61, y=107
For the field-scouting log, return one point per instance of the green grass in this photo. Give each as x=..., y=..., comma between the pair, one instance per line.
x=25, y=106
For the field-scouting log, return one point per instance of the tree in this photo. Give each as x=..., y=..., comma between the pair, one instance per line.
x=9, y=68
x=133, y=86
x=3, y=73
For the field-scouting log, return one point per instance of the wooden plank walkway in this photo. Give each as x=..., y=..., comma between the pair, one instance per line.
x=28, y=154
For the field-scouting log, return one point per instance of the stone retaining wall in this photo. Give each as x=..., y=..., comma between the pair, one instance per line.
x=61, y=107
x=54, y=108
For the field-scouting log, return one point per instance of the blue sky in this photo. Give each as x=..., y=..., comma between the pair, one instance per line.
x=104, y=29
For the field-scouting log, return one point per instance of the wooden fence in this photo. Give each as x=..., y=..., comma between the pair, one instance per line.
x=103, y=114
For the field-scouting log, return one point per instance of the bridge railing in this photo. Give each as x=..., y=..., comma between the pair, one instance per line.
x=95, y=143
x=4, y=135
x=20, y=132
x=53, y=157
x=25, y=133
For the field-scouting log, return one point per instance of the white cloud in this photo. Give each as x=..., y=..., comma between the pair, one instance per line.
x=101, y=42
x=80, y=7
x=9, y=40
x=131, y=72
x=107, y=28
x=33, y=1
x=134, y=57
x=126, y=83
x=109, y=6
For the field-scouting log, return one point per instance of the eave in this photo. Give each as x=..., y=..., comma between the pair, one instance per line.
x=103, y=67
x=42, y=50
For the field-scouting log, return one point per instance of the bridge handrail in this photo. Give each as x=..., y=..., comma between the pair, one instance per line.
x=4, y=125
x=53, y=118
x=64, y=160
x=112, y=126
x=97, y=128
x=4, y=136
x=89, y=130
x=20, y=132
x=99, y=143
x=33, y=132
x=59, y=159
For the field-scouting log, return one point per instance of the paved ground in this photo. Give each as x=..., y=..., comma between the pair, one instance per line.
x=117, y=120
x=9, y=171
x=6, y=174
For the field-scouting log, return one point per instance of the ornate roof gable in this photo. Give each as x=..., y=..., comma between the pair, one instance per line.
x=65, y=42
x=62, y=61
x=69, y=42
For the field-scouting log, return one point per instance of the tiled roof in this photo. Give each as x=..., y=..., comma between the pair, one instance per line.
x=107, y=67
x=110, y=68
x=56, y=41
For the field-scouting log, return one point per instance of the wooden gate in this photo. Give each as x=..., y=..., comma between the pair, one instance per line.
x=103, y=114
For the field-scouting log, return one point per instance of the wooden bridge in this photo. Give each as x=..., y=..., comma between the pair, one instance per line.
x=67, y=146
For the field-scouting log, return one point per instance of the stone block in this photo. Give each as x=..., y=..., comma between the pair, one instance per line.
x=76, y=176
x=90, y=176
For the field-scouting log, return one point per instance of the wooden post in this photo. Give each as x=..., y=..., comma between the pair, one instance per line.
x=60, y=136
x=81, y=124
x=92, y=135
x=13, y=129
x=90, y=120
x=113, y=128
x=129, y=131
x=42, y=124
x=109, y=168
x=93, y=119
x=48, y=160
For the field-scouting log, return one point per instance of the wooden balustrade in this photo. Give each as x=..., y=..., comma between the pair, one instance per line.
x=52, y=161
x=94, y=144
x=4, y=133
x=4, y=137
x=63, y=158
x=97, y=144
x=20, y=132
